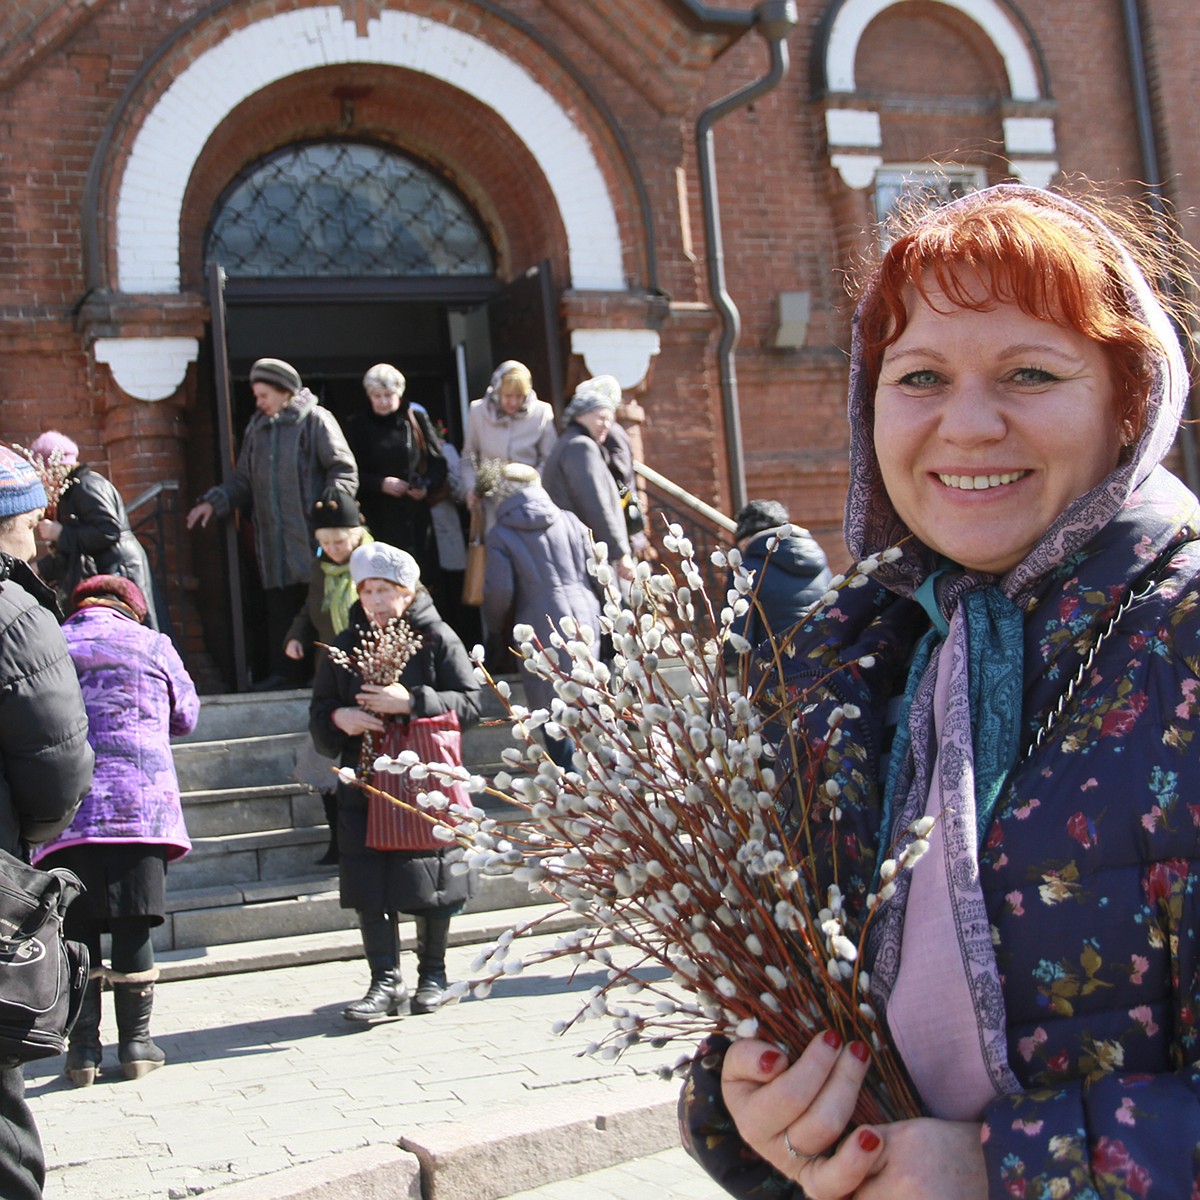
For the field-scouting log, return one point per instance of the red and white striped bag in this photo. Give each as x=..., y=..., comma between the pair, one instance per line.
x=433, y=740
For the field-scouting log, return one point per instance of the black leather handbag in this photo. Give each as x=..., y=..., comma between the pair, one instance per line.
x=42, y=975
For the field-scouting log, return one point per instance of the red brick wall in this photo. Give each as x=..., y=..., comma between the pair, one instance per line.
x=789, y=222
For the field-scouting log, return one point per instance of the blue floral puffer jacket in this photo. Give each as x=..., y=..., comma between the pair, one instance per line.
x=1088, y=869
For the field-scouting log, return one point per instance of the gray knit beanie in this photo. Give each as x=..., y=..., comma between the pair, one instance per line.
x=378, y=560
x=277, y=373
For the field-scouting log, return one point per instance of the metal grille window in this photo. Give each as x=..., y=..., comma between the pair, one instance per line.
x=345, y=209
x=900, y=188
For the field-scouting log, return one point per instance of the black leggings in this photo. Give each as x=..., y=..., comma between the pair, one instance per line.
x=132, y=949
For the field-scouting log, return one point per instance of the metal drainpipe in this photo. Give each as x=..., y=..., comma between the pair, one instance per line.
x=774, y=20
x=1144, y=111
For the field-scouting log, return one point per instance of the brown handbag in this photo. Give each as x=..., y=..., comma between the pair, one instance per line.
x=472, y=589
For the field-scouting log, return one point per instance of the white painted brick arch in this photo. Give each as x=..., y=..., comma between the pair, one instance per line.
x=151, y=191
x=855, y=15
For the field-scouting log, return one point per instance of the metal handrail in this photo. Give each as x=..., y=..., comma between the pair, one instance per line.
x=707, y=528
x=156, y=489
x=686, y=498
x=161, y=500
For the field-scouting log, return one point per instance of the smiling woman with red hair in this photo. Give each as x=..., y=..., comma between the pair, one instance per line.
x=1022, y=674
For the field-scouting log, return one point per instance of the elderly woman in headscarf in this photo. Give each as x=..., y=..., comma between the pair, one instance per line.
x=537, y=574
x=89, y=534
x=293, y=454
x=414, y=872
x=507, y=424
x=577, y=476
x=130, y=825
x=1020, y=674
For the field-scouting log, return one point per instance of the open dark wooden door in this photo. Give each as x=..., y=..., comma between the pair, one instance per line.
x=523, y=324
x=227, y=456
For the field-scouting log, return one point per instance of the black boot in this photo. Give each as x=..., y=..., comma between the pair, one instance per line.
x=133, y=1000
x=433, y=936
x=84, y=1049
x=387, y=993
x=330, y=857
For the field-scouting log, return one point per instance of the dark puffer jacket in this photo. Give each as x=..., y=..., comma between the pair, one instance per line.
x=45, y=760
x=1088, y=868
x=788, y=580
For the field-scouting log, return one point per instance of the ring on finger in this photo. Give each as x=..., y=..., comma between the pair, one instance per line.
x=794, y=1153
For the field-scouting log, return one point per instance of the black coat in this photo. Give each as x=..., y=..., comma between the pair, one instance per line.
x=386, y=446
x=96, y=540
x=441, y=679
x=45, y=759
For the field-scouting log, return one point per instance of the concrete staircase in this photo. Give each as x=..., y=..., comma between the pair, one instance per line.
x=256, y=834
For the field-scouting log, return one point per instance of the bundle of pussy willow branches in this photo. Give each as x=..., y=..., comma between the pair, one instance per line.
x=53, y=470
x=675, y=840
x=380, y=657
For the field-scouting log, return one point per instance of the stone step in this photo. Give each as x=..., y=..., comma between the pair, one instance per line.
x=207, y=916
x=220, y=812
x=255, y=857
x=250, y=714
x=244, y=762
x=257, y=759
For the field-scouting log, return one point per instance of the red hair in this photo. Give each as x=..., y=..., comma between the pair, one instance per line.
x=1051, y=265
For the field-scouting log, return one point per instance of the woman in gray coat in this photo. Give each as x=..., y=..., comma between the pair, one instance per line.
x=536, y=574
x=577, y=476
x=293, y=453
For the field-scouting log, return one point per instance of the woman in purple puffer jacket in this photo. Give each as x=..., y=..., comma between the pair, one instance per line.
x=130, y=825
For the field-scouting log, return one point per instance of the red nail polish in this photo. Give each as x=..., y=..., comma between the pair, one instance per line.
x=768, y=1061
x=833, y=1039
x=860, y=1050
x=868, y=1140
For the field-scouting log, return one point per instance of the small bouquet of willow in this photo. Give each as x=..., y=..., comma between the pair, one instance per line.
x=489, y=474
x=380, y=657
x=686, y=855
x=53, y=470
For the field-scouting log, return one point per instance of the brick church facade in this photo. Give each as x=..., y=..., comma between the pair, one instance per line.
x=555, y=205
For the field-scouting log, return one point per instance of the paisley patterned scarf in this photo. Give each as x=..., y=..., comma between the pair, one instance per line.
x=934, y=968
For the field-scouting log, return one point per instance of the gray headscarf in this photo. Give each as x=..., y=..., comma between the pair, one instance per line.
x=601, y=391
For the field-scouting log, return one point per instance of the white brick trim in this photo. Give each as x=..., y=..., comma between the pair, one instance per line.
x=174, y=133
x=846, y=127
x=1029, y=135
x=855, y=15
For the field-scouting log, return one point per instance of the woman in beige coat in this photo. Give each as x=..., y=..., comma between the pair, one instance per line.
x=508, y=423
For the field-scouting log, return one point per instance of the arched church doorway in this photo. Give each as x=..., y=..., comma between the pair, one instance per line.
x=335, y=255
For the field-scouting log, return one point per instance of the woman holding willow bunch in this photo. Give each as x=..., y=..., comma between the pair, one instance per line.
x=1015, y=384
x=398, y=677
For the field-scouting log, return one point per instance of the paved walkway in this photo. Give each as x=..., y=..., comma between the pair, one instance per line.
x=264, y=1074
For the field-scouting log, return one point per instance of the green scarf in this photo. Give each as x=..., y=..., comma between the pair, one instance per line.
x=340, y=592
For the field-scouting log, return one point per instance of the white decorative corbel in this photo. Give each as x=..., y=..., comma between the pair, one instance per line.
x=857, y=170
x=1036, y=172
x=625, y=353
x=147, y=368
